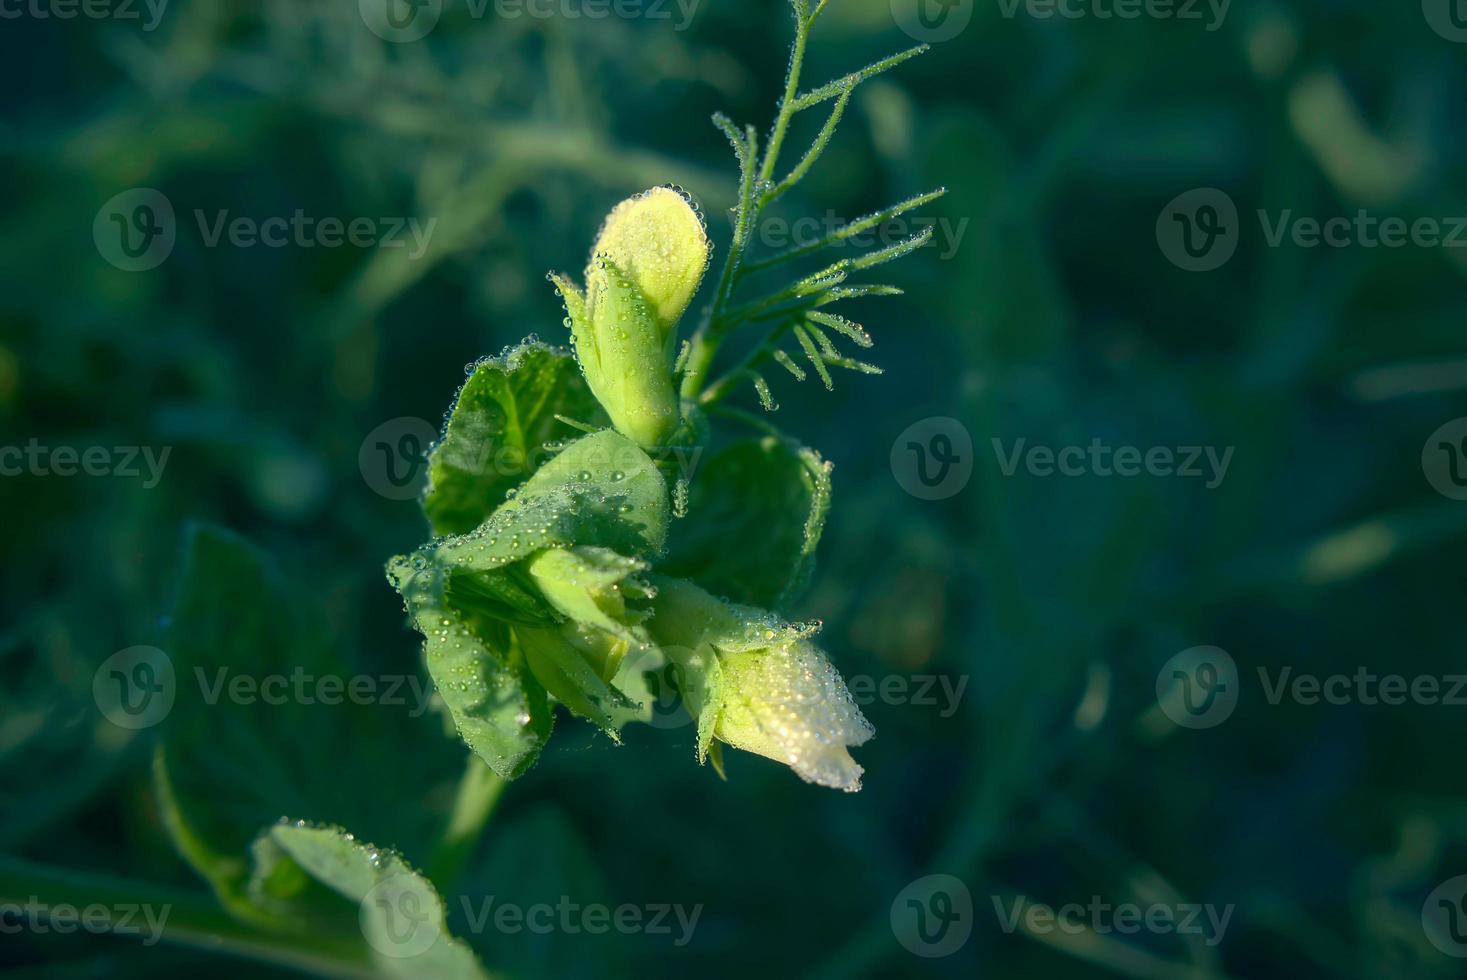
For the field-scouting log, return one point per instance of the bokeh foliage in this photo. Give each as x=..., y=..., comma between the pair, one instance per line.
x=1055, y=318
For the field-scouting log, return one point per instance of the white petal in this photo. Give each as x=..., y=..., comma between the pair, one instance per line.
x=790, y=704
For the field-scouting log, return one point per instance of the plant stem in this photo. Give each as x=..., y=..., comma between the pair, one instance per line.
x=184, y=918
x=709, y=337
x=479, y=791
x=787, y=105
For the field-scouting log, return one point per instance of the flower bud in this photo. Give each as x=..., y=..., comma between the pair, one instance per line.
x=589, y=588
x=659, y=242
x=766, y=688
x=576, y=660
x=648, y=261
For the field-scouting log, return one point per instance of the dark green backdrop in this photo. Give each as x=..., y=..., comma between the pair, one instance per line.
x=1051, y=310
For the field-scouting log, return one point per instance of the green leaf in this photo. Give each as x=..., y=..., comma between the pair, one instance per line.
x=400, y=916
x=845, y=83
x=252, y=660
x=499, y=714
x=848, y=231
x=758, y=509
x=495, y=438
x=601, y=491
x=500, y=594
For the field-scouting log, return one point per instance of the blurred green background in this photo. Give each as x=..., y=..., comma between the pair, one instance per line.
x=1047, y=310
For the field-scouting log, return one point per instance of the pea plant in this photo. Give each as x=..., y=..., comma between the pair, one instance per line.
x=606, y=523
x=624, y=558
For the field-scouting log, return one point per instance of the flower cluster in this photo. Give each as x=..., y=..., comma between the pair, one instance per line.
x=563, y=590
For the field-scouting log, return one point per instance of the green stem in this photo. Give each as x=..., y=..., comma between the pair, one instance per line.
x=710, y=335
x=180, y=917
x=479, y=792
x=787, y=105
x=705, y=342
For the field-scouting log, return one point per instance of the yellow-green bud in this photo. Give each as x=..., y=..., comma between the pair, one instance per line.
x=659, y=242
x=645, y=268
